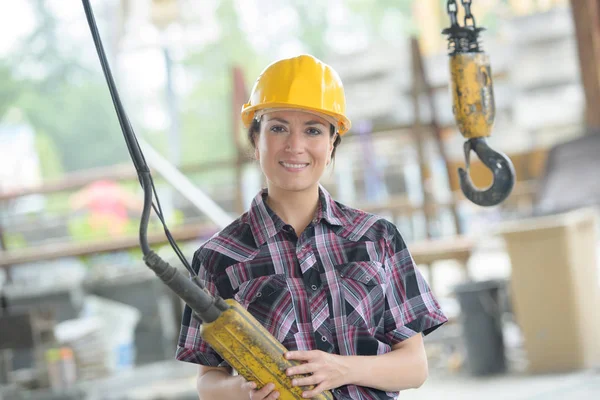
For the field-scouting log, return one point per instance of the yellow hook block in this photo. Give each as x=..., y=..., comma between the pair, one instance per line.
x=472, y=94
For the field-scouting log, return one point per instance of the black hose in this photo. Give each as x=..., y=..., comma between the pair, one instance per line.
x=205, y=306
x=145, y=218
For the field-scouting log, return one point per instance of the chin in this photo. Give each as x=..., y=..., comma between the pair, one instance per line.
x=294, y=186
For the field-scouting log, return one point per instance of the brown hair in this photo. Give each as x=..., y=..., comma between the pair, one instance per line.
x=254, y=129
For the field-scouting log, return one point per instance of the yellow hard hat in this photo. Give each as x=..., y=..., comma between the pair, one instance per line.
x=302, y=82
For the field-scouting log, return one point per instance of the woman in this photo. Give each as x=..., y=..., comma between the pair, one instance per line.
x=337, y=286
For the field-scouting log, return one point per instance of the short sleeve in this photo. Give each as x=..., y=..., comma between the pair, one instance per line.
x=190, y=346
x=411, y=306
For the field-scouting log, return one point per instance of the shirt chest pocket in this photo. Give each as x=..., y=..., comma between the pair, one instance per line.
x=362, y=288
x=266, y=297
x=264, y=290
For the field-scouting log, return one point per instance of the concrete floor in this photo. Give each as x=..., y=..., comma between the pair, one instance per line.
x=575, y=386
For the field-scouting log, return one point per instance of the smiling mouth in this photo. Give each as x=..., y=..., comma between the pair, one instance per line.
x=294, y=165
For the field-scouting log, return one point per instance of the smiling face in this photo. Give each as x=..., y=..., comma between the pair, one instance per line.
x=293, y=148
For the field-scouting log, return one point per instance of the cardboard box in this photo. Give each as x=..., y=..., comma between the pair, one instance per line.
x=555, y=290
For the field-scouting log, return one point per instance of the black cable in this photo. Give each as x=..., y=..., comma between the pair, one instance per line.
x=135, y=153
x=206, y=307
x=158, y=211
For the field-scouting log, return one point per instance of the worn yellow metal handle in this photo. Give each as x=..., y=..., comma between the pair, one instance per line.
x=253, y=352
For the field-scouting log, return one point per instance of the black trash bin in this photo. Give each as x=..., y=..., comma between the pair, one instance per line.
x=481, y=316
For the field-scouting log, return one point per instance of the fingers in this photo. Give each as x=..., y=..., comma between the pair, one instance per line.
x=303, y=369
x=313, y=360
x=309, y=394
x=264, y=392
x=272, y=396
x=309, y=380
x=268, y=392
x=302, y=355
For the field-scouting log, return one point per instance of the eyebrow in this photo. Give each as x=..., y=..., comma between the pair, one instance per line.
x=315, y=123
x=311, y=122
x=283, y=121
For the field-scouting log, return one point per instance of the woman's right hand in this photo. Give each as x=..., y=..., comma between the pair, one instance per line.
x=268, y=392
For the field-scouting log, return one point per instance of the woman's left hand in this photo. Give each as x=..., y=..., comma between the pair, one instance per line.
x=328, y=371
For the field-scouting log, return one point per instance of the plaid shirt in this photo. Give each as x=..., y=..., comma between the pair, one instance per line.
x=348, y=285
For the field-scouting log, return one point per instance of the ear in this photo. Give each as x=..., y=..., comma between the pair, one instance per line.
x=331, y=143
x=255, y=141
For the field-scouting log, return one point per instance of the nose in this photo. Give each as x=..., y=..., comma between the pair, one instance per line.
x=295, y=142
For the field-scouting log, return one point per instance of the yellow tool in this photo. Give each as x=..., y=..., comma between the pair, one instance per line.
x=228, y=327
x=234, y=333
x=474, y=108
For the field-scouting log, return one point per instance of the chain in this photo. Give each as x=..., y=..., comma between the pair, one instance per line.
x=468, y=14
x=452, y=9
x=462, y=39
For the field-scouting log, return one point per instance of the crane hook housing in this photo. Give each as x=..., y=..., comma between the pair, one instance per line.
x=474, y=110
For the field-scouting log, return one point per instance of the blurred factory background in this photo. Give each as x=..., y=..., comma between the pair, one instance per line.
x=82, y=317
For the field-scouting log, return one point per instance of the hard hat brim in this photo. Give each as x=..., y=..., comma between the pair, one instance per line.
x=248, y=112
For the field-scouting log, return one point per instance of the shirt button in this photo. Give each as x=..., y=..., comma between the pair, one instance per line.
x=314, y=287
x=258, y=294
x=323, y=339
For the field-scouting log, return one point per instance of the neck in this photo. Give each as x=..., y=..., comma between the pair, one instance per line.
x=296, y=208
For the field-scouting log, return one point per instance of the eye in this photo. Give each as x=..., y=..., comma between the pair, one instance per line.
x=277, y=128
x=313, y=131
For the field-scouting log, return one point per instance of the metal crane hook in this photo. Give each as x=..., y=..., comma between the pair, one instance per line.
x=502, y=170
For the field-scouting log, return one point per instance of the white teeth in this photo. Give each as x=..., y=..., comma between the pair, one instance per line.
x=293, y=165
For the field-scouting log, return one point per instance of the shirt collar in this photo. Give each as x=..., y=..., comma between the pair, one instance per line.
x=329, y=209
x=265, y=224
